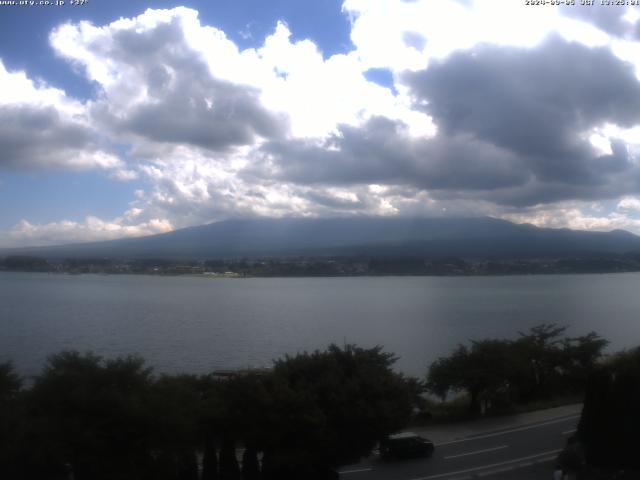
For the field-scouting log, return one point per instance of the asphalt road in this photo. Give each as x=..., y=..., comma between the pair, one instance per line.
x=530, y=450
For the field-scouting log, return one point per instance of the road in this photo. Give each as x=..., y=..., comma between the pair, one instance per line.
x=529, y=448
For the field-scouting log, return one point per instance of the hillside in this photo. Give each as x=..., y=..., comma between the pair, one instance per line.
x=369, y=236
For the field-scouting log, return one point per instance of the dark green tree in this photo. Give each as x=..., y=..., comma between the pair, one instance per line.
x=610, y=418
x=498, y=373
x=10, y=383
x=176, y=404
x=229, y=466
x=209, y=459
x=250, y=464
x=541, y=350
x=91, y=415
x=12, y=440
x=482, y=371
x=331, y=407
x=580, y=356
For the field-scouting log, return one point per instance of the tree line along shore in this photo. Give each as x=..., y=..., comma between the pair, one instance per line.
x=328, y=266
x=86, y=417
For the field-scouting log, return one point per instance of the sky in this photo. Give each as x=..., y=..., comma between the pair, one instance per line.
x=125, y=118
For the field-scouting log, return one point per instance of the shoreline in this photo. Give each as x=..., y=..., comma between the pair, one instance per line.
x=214, y=275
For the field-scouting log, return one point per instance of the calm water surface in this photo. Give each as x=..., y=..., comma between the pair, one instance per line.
x=199, y=324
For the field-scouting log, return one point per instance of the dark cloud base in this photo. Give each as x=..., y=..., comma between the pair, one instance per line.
x=513, y=127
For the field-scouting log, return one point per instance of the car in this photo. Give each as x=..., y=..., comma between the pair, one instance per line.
x=405, y=445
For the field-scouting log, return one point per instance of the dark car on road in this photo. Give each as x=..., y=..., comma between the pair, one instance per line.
x=405, y=445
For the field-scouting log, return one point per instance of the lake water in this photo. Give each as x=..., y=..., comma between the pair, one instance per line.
x=196, y=324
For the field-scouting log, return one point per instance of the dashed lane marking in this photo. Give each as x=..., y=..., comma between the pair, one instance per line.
x=504, y=432
x=476, y=452
x=490, y=466
x=360, y=470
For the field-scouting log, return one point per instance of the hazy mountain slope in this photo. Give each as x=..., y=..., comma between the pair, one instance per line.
x=469, y=237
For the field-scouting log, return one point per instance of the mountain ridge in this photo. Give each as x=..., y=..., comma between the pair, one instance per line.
x=352, y=236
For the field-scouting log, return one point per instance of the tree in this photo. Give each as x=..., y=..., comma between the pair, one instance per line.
x=482, y=371
x=250, y=464
x=175, y=402
x=26, y=263
x=209, y=459
x=343, y=399
x=446, y=373
x=540, y=349
x=11, y=420
x=10, y=382
x=580, y=357
x=610, y=418
x=497, y=373
x=91, y=414
x=229, y=467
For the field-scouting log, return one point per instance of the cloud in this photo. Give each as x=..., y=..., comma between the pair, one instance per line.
x=165, y=65
x=33, y=137
x=514, y=129
x=26, y=234
x=629, y=204
x=540, y=104
x=158, y=86
x=616, y=20
x=478, y=115
x=40, y=127
x=383, y=152
x=576, y=216
x=403, y=35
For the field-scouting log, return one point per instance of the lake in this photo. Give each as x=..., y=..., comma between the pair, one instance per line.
x=193, y=324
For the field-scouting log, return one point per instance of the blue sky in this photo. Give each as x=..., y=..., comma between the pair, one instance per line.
x=122, y=118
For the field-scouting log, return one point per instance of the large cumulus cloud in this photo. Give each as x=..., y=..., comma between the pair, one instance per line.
x=514, y=127
x=157, y=86
x=381, y=151
x=540, y=104
x=40, y=128
x=39, y=137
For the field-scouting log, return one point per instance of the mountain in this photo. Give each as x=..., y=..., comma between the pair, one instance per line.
x=370, y=236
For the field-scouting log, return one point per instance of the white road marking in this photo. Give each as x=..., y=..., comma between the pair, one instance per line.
x=512, y=467
x=355, y=471
x=492, y=465
x=476, y=452
x=504, y=432
x=568, y=432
